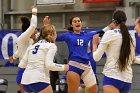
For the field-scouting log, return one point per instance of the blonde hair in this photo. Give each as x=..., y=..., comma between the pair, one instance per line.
x=47, y=30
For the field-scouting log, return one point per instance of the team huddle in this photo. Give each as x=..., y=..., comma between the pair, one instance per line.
x=36, y=55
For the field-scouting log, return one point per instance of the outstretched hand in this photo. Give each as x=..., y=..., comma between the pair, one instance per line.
x=95, y=41
x=34, y=10
x=46, y=20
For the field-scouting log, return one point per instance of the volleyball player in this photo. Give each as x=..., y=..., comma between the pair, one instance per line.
x=79, y=67
x=23, y=41
x=38, y=61
x=119, y=47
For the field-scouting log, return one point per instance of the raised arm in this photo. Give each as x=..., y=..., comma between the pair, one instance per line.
x=109, y=27
x=25, y=37
x=33, y=24
x=105, y=41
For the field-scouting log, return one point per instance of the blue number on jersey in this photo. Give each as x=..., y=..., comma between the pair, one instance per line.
x=36, y=49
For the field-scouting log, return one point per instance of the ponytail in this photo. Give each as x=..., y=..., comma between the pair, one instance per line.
x=125, y=50
x=119, y=17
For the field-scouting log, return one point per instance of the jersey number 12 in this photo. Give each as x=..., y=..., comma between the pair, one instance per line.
x=80, y=42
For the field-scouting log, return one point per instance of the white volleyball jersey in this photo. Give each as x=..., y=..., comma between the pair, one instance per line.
x=38, y=60
x=24, y=39
x=111, y=44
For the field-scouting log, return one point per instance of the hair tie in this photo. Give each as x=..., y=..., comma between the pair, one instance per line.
x=116, y=21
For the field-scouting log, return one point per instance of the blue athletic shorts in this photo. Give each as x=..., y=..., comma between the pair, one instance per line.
x=19, y=75
x=76, y=70
x=35, y=87
x=123, y=87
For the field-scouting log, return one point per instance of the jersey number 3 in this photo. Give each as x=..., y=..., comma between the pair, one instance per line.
x=36, y=49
